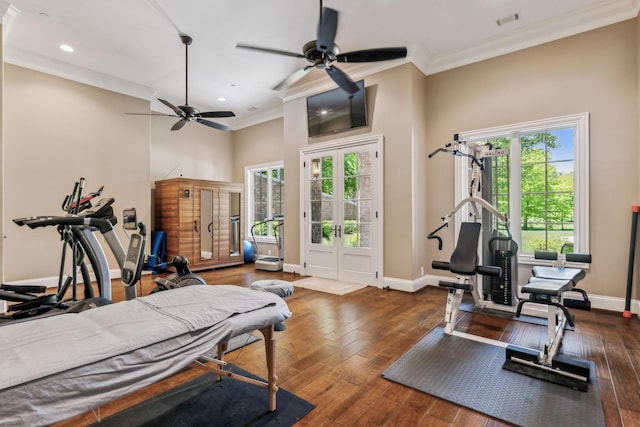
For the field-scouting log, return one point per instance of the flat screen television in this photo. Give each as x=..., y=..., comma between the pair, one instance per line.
x=336, y=111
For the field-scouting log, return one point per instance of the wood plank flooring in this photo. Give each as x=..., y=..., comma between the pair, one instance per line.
x=336, y=347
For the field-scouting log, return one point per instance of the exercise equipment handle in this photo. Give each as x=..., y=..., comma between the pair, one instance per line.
x=102, y=224
x=489, y=270
x=433, y=235
x=459, y=153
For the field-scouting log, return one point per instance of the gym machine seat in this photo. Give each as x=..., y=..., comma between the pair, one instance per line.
x=547, y=286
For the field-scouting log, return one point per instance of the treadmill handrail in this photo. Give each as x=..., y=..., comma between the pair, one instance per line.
x=101, y=224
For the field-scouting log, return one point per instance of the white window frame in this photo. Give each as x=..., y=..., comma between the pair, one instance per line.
x=248, y=173
x=580, y=122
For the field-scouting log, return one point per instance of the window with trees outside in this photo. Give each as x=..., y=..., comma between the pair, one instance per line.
x=542, y=184
x=265, y=198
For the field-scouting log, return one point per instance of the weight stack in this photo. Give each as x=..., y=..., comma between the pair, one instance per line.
x=501, y=286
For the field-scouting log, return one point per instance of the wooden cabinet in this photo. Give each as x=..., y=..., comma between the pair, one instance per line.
x=203, y=221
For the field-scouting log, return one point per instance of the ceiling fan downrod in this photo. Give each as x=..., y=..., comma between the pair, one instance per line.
x=187, y=41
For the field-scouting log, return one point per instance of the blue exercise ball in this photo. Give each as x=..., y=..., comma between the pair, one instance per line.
x=249, y=251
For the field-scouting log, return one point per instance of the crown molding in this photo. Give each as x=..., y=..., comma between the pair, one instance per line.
x=67, y=71
x=521, y=38
x=238, y=123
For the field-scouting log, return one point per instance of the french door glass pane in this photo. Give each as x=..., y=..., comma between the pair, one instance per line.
x=321, y=201
x=357, y=200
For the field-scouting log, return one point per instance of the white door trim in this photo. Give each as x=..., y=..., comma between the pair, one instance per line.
x=378, y=140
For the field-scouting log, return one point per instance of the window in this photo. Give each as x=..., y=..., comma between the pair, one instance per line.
x=265, y=198
x=542, y=184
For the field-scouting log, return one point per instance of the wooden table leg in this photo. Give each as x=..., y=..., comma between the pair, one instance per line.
x=270, y=348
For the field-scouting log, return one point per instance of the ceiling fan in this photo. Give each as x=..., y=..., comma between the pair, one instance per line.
x=186, y=112
x=323, y=52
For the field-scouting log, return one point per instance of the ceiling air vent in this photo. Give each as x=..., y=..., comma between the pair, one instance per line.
x=508, y=19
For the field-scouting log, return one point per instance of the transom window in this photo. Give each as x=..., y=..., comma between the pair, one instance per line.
x=542, y=184
x=265, y=198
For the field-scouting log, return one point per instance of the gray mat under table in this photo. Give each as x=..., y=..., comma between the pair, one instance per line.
x=470, y=374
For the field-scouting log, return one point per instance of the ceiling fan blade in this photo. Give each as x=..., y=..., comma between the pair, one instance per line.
x=327, y=28
x=292, y=78
x=342, y=80
x=179, y=124
x=151, y=114
x=373, y=55
x=178, y=111
x=216, y=114
x=267, y=50
x=213, y=124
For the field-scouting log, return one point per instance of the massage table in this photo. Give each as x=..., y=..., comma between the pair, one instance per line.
x=54, y=368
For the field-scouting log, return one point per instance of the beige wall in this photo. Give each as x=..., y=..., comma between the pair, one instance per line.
x=57, y=131
x=262, y=143
x=2, y=214
x=195, y=151
x=62, y=130
x=593, y=72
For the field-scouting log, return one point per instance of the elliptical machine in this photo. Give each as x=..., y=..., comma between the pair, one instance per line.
x=78, y=231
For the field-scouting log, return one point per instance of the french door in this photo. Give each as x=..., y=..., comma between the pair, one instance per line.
x=341, y=218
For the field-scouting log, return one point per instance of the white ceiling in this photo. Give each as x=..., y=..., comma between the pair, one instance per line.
x=132, y=46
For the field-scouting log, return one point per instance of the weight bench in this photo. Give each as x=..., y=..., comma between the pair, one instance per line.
x=547, y=286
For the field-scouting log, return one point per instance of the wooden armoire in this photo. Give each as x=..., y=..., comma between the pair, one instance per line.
x=203, y=221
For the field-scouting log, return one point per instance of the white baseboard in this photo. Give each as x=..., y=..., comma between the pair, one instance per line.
x=602, y=302
x=291, y=268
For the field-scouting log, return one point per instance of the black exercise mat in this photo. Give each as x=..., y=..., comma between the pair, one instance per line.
x=205, y=401
x=470, y=374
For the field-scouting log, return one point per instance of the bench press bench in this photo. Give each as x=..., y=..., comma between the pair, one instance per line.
x=547, y=286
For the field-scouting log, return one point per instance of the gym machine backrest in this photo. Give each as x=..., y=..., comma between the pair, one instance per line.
x=464, y=259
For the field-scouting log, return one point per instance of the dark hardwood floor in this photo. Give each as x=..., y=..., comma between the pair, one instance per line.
x=336, y=347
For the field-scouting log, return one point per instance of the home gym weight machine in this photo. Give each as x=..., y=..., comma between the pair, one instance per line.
x=499, y=247
x=546, y=288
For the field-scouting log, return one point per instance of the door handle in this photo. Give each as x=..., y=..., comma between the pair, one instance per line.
x=335, y=231
x=195, y=225
x=340, y=231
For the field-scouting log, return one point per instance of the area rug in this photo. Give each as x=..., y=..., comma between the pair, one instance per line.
x=470, y=374
x=327, y=285
x=205, y=401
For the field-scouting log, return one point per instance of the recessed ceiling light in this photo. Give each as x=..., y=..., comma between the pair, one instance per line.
x=323, y=112
x=222, y=98
x=66, y=48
